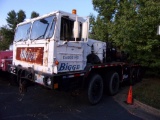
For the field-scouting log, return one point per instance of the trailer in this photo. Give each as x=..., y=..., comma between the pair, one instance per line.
x=54, y=50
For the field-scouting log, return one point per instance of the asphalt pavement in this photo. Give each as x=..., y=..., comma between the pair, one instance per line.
x=43, y=104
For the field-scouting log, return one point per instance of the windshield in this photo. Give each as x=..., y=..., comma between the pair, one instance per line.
x=22, y=32
x=43, y=28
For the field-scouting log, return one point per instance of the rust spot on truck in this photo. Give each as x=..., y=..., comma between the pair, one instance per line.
x=30, y=54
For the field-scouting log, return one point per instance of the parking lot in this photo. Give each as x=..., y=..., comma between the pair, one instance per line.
x=40, y=103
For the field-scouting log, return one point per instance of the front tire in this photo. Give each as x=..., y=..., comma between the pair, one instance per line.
x=95, y=89
x=13, y=80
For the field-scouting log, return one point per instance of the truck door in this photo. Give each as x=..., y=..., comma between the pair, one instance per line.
x=70, y=52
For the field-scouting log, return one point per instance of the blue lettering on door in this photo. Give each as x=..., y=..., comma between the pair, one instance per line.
x=65, y=66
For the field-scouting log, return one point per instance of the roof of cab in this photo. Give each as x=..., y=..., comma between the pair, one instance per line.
x=52, y=13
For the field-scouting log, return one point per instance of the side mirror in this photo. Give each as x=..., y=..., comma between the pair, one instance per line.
x=76, y=29
x=85, y=31
x=11, y=47
x=158, y=30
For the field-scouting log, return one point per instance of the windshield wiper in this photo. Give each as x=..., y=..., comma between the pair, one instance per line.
x=39, y=37
x=18, y=40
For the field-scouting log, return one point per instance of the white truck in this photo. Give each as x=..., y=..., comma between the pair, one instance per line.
x=54, y=50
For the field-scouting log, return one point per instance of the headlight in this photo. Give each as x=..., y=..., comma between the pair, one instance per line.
x=14, y=70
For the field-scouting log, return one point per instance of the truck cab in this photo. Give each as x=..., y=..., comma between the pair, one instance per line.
x=52, y=44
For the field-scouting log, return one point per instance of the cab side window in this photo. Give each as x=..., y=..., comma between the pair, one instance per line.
x=66, y=32
x=66, y=29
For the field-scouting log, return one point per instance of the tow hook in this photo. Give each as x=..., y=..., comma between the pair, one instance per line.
x=23, y=87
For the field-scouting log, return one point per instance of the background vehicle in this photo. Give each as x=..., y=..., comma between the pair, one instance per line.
x=6, y=58
x=54, y=50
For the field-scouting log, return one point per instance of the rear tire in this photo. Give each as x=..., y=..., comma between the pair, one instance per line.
x=95, y=89
x=112, y=83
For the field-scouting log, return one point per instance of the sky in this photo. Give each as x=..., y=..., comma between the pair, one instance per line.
x=83, y=7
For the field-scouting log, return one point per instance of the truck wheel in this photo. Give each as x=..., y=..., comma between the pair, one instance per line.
x=13, y=80
x=95, y=89
x=112, y=83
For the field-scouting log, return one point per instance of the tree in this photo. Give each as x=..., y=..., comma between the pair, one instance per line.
x=7, y=34
x=131, y=24
x=97, y=28
x=148, y=43
x=106, y=10
x=21, y=16
x=34, y=14
x=12, y=19
x=7, y=37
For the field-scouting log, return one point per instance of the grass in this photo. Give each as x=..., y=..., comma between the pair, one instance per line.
x=148, y=92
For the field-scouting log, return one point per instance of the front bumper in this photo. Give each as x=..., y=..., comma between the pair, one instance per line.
x=39, y=77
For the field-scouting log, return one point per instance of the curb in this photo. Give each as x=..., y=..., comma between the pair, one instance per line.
x=139, y=109
x=147, y=108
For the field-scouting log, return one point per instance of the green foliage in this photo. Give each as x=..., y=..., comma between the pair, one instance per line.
x=101, y=26
x=34, y=14
x=20, y=16
x=131, y=24
x=14, y=18
x=7, y=35
x=95, y=32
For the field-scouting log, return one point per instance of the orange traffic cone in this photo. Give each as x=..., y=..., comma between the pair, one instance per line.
x=129, y=97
